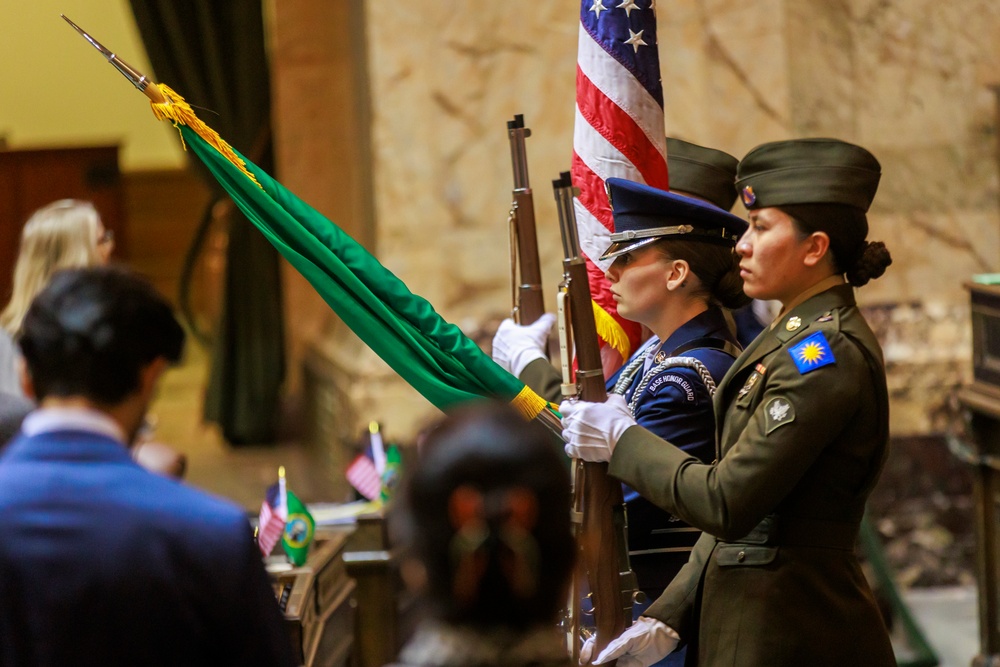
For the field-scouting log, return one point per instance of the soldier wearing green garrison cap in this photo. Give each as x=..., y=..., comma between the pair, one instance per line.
x=705, y=173
x=802, y=425
x=708, y=173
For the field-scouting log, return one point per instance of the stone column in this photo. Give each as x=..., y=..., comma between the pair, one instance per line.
x=322, y=150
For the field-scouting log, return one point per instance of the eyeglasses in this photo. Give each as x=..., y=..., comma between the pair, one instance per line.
x=107, y=237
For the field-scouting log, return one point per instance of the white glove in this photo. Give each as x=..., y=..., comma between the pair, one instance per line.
x=591, y=430
x=515, y=346
x=587, y=649
x=643, y=643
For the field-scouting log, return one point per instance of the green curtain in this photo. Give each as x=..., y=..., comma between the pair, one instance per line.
x=214, y=52
x=434, y=356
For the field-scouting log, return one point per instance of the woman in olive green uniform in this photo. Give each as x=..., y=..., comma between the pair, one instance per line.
x=802, y=426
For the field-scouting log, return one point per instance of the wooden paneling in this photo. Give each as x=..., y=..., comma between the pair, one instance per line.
x=32, y=178
x=164, y=209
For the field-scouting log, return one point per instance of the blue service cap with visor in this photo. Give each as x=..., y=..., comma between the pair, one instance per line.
x=644, y=214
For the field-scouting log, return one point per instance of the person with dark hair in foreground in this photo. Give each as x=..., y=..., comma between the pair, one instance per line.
x=101, y=561
x=485, y=527
x=802, y=423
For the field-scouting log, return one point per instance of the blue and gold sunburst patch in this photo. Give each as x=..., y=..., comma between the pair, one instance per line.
x=811, y=353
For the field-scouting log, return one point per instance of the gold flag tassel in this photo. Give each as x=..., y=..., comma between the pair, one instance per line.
x=178, y=111
x=530, y=404
x=166, y=104
x=611, y=332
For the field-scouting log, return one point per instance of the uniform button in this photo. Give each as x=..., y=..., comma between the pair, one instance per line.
x=741, y=556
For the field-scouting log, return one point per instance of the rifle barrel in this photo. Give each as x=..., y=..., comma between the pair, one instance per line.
x=604, y=539
x=529, y=300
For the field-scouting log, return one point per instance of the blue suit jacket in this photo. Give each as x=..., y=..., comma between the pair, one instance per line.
x=104, y=563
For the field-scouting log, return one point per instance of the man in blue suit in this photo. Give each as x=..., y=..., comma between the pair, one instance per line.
x=102, y=562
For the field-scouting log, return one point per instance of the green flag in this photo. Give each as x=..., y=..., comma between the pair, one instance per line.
x=299, y=530
x=432, y=355
x=392, y=474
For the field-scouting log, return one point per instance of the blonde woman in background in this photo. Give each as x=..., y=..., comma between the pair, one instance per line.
x=65, y=234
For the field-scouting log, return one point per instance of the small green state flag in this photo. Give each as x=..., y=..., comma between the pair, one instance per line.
x=299, y=529
x=393, y=470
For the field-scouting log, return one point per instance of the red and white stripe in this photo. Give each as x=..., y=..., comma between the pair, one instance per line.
x=618, y=133
x=271, y=526
x=364, y=477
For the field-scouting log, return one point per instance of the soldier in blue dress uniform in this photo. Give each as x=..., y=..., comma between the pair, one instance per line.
x=673, y=271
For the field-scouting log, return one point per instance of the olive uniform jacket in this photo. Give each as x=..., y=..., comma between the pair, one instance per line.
x=802, y=430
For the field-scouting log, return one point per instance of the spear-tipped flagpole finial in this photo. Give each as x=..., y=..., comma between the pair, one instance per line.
x=139, y=80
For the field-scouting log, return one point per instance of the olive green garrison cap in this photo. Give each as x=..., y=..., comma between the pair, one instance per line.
x=702, y=172
x=808, y=171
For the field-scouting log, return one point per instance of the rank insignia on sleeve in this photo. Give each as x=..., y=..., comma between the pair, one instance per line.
x=812, y=352
x=778, y=411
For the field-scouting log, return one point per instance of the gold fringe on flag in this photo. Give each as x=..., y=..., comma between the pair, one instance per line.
x=529, y=404
x=178, y=111
x=611, y=332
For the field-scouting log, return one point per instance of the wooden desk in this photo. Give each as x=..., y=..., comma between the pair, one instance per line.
x=343, y=606
x=316, y=600
x=981, y=399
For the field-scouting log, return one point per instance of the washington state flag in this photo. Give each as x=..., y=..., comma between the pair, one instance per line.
x=299, y=530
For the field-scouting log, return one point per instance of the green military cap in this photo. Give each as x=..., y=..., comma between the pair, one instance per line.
x=705, y=173
x=808, y=171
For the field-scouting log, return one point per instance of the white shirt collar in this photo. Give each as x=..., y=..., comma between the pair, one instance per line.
x=48, y=420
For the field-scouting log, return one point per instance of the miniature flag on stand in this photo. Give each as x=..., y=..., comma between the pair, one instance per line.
x=365, y=471
x=299, y=530
x=618, y=132
x=273, y=513
x=391, y=474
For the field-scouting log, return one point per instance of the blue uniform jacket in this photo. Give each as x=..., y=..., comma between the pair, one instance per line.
x=677, y=406
x=104, y=563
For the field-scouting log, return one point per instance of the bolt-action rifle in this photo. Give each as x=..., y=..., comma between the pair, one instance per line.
x=526, y=275
x=598, y=505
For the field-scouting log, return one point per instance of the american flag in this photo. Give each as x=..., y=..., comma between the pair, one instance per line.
x=364, y=477
x=618, y=132
x=273, y=513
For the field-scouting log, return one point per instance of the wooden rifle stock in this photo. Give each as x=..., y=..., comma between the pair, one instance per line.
x=526, y=275
x=598, y=496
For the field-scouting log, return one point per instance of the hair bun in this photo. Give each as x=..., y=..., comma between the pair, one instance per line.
x=872, y=263
x=728, y=291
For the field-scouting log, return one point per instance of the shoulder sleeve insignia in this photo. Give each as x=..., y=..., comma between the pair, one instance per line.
x=683, y=385
x=812, y=352
x=778, y=412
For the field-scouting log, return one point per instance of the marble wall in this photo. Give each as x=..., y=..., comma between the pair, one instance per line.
x=909, y=79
